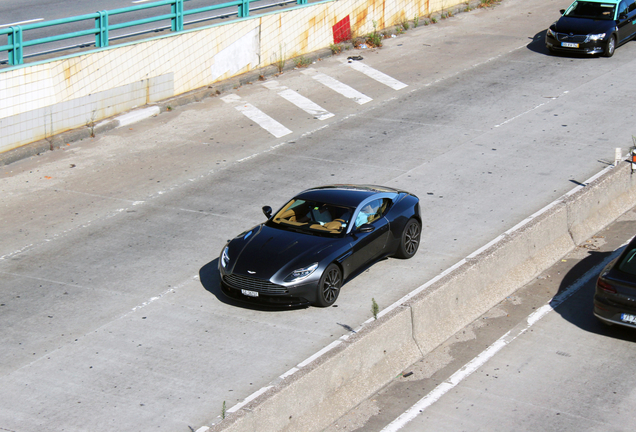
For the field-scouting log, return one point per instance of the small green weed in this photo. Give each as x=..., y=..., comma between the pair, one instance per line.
x=302, y=61
x=374, y=308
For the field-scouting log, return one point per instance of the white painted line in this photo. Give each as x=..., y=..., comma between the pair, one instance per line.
x=329, y=347
x=380, y=77
x=493, y=349
x=263, y=120
x=338, y=87
x=137, y=115
x=257, y=116
x=305, y=104
x=231, y=98
x=21, y=22
x=299, y=100
x=249, y=399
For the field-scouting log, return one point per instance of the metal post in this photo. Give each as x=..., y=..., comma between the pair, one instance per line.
x=244, y=9
x=177, y=12
x=15, y=40
x=101, y=25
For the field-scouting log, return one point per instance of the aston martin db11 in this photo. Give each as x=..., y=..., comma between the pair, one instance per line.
x=305, y=251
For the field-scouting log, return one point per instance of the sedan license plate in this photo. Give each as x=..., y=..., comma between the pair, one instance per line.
x=628, y=318
x=569, y=45
x=249, y=293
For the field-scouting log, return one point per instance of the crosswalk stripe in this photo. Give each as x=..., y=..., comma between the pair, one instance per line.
x=376, y=75
x=299, y=100
x=338, y=87
x=257, y=116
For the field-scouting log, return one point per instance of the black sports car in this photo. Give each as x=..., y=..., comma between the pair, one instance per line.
x=305, y=250
x=615, y=296
x=593, y=27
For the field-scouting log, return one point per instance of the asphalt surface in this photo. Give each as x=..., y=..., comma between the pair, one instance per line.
x=564, y=371
x=111, y=312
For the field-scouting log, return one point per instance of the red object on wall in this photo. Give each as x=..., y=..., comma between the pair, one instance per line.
x=342, y=30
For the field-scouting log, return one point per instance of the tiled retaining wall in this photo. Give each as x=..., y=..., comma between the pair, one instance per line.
x=43, y=99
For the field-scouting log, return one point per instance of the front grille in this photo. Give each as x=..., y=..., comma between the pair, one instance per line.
x=253, y=284
x=565, y=37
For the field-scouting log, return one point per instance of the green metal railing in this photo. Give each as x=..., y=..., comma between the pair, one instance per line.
x=102, y=28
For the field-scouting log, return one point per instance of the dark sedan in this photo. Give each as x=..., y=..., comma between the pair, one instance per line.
x=305, y=251
x=615, y=296
x=593, y=27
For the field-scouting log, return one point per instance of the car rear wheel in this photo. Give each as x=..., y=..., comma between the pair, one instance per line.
x=329, y=286
x=410, y=241
x=610, y=47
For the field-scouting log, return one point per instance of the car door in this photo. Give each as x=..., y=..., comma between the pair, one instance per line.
x=625, y=20
x=370, y=234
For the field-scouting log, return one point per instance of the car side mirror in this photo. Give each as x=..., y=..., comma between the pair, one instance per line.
x=562, y=11
x=267, y=211
x=365, y=228
x=622, y=16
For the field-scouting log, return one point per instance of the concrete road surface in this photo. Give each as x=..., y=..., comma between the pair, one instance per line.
x=111, y=315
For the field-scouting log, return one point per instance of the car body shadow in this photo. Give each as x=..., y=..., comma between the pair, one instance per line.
x=578, y=309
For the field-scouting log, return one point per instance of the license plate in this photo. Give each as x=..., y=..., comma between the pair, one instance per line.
x=569, y=45
x=628, y=318
x=249, y=293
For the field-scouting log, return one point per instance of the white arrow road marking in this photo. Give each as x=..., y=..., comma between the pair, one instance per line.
x=338, y=87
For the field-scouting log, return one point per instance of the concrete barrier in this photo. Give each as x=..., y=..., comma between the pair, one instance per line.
x=323, y=388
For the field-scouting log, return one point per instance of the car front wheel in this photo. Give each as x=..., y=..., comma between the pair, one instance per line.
x=410, y=240
x=610, y=47
x=329, y=286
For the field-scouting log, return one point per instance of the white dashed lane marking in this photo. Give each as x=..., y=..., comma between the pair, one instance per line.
x=257, y=116
x=337, y=86
x=380, y=77
x=299, y=100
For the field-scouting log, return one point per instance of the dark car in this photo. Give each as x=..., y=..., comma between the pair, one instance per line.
x=593, y=27
x=305, y=251
x=615, y=296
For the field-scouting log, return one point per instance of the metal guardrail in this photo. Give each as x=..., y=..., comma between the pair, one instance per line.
x=15, y=34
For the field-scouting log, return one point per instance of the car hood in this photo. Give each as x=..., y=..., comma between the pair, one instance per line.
x=267, y=251
x=579, y=26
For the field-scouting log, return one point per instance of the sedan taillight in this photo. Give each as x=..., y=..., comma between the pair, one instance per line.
x=605, y=286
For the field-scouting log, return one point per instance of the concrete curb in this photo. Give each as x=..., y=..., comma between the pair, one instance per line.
x=324, y=387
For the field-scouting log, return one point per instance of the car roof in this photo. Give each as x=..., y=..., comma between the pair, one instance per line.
x=614, y=2
x=346, y=195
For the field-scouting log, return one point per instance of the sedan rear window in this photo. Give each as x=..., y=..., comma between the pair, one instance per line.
x=591, y=10
x=628, y=264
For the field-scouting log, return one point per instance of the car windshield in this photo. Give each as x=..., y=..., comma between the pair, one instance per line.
x=628, y=264
x=312, y=217
x=591, y=10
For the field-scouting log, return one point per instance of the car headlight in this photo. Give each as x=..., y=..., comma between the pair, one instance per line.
x=301, y=273
x=551, y=33
x=225, y=258
x=595, y=37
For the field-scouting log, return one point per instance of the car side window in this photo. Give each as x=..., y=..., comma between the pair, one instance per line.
x=372, y=211
x=622, y=9
x=632, y=6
